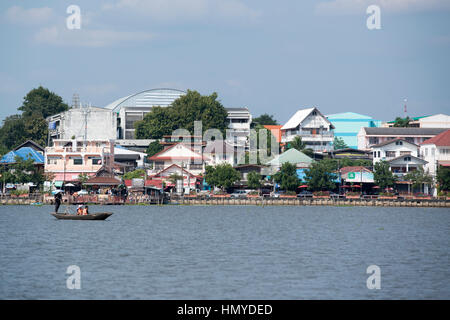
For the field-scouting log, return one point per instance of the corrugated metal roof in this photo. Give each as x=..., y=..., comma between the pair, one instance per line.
x=25, y=153
x=403, y=131
x=292, y=156
x=297, y=118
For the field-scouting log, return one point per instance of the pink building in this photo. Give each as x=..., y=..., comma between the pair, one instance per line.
x=369, y=137
x=67, y=159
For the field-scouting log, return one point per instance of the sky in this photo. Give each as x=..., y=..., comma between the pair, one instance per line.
x=272, y=57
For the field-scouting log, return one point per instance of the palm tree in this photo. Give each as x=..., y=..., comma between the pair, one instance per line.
x=298, y=144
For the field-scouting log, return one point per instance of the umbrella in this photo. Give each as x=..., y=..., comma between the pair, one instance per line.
x=57, y=191
x=356, y=186
x=69, y=185
x=346, y=186
x=375, y=187
x=303, y=186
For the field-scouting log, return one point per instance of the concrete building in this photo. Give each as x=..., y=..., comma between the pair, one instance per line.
x=436, y=151
x=83, y=123
x=134, y=107
x=368, y=137
x=392, y=149
x=240, y=120
x=67, y=159
x=348, y=124
x=313, y=127
x=434, y=121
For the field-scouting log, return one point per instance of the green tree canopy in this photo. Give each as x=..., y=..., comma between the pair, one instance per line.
x=136, y=174
x=298, y=144
x=321, y=175
x=181, y=115
x=339, y=143
x=443, y=178
x=254, y=180
x=287, y=177
x=41, y=102
x=402, y=122
x=264, y=119
x=222, y=175
x=418, y=178
x=153, y=148
x=382, y=176
x=31, y=124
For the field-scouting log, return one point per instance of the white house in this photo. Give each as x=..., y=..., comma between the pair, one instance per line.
x=239, y=121
x=436, y=151
x=219, y=151
x=393, y=149
x=312, y=126
x=435, y=121
x=181, y=155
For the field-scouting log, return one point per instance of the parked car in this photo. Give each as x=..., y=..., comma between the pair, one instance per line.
x=305, y=194
x=239, y=194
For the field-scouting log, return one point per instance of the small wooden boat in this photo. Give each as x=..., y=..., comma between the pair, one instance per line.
x=90, y=216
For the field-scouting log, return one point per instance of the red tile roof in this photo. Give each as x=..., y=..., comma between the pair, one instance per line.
x=442, y=139
x=346, y=170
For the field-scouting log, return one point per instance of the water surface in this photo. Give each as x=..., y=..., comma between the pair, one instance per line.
x=226, y=252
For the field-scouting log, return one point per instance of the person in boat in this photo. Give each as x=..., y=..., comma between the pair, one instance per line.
x=58, y=198
x=80, y=210
x=85, y=211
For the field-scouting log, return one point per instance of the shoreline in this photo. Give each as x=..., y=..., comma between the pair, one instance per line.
x=427, y=203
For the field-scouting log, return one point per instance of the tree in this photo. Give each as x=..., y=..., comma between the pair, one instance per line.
x=222, y=175
x=136, y=174
x=153, y=148
x=339, y=143
x=41, y=102
x=443, y=178
x=402, y=122
x=321, y=175
x=174, y=177
x=287, y=177
x=31, y=124
x=418, y=178
x=264, y=119
x=254, y=180
x=298, y=144
x=382, y=176
x=24, y=171
x=181, y=114
x=83, y=177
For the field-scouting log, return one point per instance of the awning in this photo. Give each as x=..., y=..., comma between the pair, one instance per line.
x=58, y=184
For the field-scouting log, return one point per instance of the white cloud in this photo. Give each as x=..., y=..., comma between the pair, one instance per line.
x=32, y=16
x=60, y=36
x=186, y=10
x=393, y=6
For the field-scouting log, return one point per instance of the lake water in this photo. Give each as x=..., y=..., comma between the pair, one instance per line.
x=226, y=252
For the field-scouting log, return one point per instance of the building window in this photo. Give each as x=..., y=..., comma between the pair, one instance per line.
x=404, y=153
x=409, y=139
x=373, y=140
x=374, y=154
x=77, y=161
x=390, y=154
x=426, y=152
x=379, y=154
x=52, y=160
x=432, y=151
x=399, y=143
x=407, y=159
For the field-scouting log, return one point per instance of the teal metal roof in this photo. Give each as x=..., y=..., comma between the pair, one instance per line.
x=292, y=156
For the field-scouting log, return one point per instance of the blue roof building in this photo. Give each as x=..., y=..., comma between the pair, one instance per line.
x=348, y=124
x=25, y=153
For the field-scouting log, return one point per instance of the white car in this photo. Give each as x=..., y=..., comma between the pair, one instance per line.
x=82, y=192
